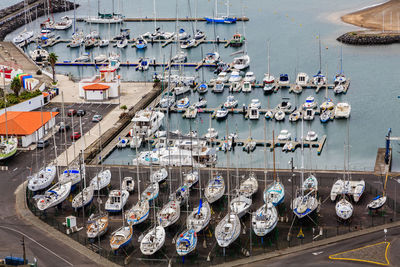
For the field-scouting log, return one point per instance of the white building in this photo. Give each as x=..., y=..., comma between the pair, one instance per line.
x=101, y=87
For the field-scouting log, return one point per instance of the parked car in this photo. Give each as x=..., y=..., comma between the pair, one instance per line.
x=71, y=112
x=75, y=136
x=55, y=110
x=81, y=113
x=97, y=118
x=43, y=143
x=63, y=127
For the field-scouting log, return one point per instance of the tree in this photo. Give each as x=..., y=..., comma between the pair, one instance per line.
x=16, y=86
x=52, y=60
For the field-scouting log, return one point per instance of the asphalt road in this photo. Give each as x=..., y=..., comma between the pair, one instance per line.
x=49, y=252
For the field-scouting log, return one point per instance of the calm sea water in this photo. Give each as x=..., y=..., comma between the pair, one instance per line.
x=292, y=27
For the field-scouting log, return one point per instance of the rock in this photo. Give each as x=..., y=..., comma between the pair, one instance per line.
x=369, y=38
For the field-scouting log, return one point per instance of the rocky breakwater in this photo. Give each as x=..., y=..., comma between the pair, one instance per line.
x=13, y=16
x=369, y=38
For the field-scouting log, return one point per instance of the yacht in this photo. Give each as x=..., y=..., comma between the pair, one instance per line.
x=147, y=122
x=223, y=77
x=83, y=198
x=327, y=105
x=153, y=240
x=183, y=35
x=344, y=209
x=215, y=188
x=311, y=136
x=265, y=219
x=188, y=43
x=122, y=237
x=246, y=87
x=279, y=115
x=249, y=186
x=72, y=175
x=284, y=135
x=310, y=103
x=235, y=76
x=23, y=36
x=151, y=192
x=240, y=205
x=211, y=58
x=242, y=62
x=221, y=113
x=54, y=196
x=283, y=80
x=201, y=103
x=319, y=79
x=158, y=34
x=295, y=115
x=377, y=202
x=227, y=230
x=97, y=225
x=230, y=102
x=135, y=142
x=169, y=214
x=211, y=133
x=100, y=58
x=191, y=178
x=255, y=103
x=274, y=193
x=42, y=179
x=218, y=87
x=85, y=57
x=101, y=180
x=159, y=175
x=203, y=88
x=254, y=113
x=183, y=103
x=104, y=42
x=249, y=77
x=180, y=57
x=302, y=79
x=269, y=83
x=199, y=218
x=128, y=184
x=116, y=200
x=186, y=242
x=342, y=110
x=167, y=100
x=138, y=213
x=39, y=55
x=309, y=114
x=65, y=23
x=181, y=89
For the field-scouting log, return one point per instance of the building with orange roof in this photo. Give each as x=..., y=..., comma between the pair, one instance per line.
x=28, y=126
x=101, y=87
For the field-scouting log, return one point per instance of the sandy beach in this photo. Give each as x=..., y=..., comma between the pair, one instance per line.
x=382, y=16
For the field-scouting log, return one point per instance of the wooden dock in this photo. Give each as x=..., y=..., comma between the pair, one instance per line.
x=132, y=64
x=146, y=19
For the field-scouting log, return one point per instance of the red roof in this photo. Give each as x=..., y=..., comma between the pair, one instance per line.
x=24, y=122
x=96, y=86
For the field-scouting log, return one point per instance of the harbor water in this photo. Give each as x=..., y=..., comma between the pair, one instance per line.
x=293, y=29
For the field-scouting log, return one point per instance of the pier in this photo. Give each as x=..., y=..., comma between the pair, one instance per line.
x=146, y=19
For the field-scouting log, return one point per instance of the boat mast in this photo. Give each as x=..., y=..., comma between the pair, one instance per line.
x=120, y=189
x=65, y=130
x=265, y=154
x=155, y=15
x=227, y=172
x=302, y=155
x=341, y=59
x=320, y=59
x=227, y=8
x=273, y=153
x=268, y=57
x=5, y=100
x=216, y=10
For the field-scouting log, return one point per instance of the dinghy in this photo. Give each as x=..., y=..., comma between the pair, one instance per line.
x=153, y=241
x=54, y=196
x=181, y=194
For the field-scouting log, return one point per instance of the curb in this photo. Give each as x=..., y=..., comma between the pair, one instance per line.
x=316, y=244
x=23, y=212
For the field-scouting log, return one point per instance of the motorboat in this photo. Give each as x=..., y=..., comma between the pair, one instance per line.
x=201, y=103
x=342, y=110
x=191, y=178
x=159, y=175
x=42, y=179
x=72, y=175
x=181, y=194
x=250, y=145
x=85, y=57
x=104, y=42
x=297, y=89
x=235, y=87
x=54, y=196
x=311, y=136
x=90, y=43
x=230, y=102
x=319, y=79
x=128, y=184
x=288, y=147
x=221, y=113
x=310, y=103
x=146, y=122
x=227, y=230
x=144, y=64
x=203, y=88
x=265, y=219
x=344, y=209
x=222, y=67
x=75, y=42
x=284, y=135
x=302, y=79
x=285, y=106
x=279, y=115
x=65, y=23
x=187, y=242
x=83, y=198
x=135, y=142
x=326, y=116
x=199, y=218
x=218, y=87
x=183, y=35
x=295, y=115
x=338, y=89
x=122, y=237
x=327, y=105
x=274, y=193
x=249, y=186
x=153, y=240
x=97, y=225
x=183, y=103
x=226, y=145
x=101, y=180
x=242, y=62
x=223, y=77
x=158, y=34
x=237, y=40
x=124, y=33
x=188, y=43
x=23, y=36
x=269, y=114
x=116, y=200
x=215, y=188
x=377, y=202
x=255, y=103
x=254, y=113
x=39, y=55
x=169, y=214
x=225, y=19
x=151, y=192
x=140, y=43
x=167, y=100
x=138, y=213
x=309, y=114
x=211, y=133
x=235, y=77
x=283, y=80
x=249, y=77
x=211, y=58
x=123, y=142
x=180, y=57
x=246, y=87
x=122, y=43
x=182, y=89
x=100, y=58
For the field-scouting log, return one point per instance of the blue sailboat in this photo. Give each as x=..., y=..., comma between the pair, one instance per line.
x=187, y=242
x=222, y=19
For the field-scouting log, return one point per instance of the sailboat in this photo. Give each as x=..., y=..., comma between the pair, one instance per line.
x=97, y=225
x=103, y=18
x=43, y=178
x=71, y=174
x=83, y=198
x=275, y=192
x=169, y=214
x=319, y=79
x=54, y=196
x=265, y=219
x=199, y=218
x=269, y=80
x=25, y=35
x=228, y=229
x=186, y=242
x=153, y=240
x=226, y=19
x=101, y=180
x=151, y=191
x=340, y=78
x=380, y=200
